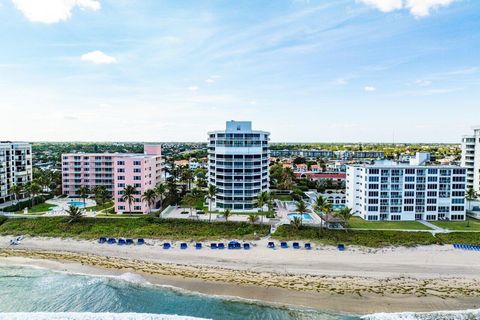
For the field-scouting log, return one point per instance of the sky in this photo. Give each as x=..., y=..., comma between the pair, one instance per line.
x=305, y=70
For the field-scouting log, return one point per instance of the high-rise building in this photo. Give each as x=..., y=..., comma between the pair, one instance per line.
x=415, y=191
x=15, y=167
x=471, y=158
x=238, y=165
x=114, y=171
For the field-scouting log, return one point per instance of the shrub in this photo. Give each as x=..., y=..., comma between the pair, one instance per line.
x=2, y=219
x=26, y=203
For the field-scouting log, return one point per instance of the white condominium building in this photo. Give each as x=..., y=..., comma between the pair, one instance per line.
x=15, y=167
x=415, y=191
x=471, y=158
x=238, y=165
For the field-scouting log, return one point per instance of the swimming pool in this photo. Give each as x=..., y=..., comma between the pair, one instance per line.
x=77, y=204
x=338, y=206
x=304, y=216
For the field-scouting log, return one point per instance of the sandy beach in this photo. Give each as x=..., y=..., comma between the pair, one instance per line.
x=359, y=280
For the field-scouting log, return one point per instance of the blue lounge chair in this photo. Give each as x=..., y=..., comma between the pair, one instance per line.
x=271, y=245
x=102, y=240
x=341, y=247
x=246, y=246
x=234, y=245
x=213, y=246
x=167, y=246
x=111, y=241
x=296, y=245
x=140, y=241
x=283, y=245
x=121, y=242
x=221, y=246
x=198, y=246
x=308, y=246
x=183, y=246
x=129, y=241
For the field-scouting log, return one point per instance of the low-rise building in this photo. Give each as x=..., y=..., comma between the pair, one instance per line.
x=114, y=171
x=15, y=167
x=415, y=191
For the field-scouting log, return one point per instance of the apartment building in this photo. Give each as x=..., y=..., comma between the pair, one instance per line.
x=15, y=167
x=238, y=159
x=416, y=191
x=471, y=158
x=114, y=171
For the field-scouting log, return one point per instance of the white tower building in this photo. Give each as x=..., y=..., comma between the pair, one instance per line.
x=238, y=165
x=15, y=167
x=471, y=158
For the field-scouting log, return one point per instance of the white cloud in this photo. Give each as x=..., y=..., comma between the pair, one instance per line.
x=52, y=11
x=340, y=81
x=98, y=57
x=384, y=5
x=423, y=82
x=369, y=88
x=212, y=78
x=421, y=8
x=418, y=8
x=193, y=88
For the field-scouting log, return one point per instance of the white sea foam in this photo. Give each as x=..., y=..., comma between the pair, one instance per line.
x=440, y=315
x=90, y=316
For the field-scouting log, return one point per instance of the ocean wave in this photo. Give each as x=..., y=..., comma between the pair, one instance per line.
x=439, y=315
x=90, y=316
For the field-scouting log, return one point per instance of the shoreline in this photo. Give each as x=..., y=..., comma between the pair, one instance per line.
x=324, y=291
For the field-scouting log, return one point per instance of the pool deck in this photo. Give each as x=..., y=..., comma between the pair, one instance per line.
x=62, y=205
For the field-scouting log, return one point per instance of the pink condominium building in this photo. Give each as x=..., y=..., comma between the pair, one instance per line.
x=114, y=171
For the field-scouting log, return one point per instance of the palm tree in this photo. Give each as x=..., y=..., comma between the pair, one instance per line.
x=16, y=189
x=470, y=196
x=262, y=199
x=187, y=176
x=322, y=207
x=33, y=189
x=190, y=200
x=83, y=193
x=345, y=214
x=227, y=214
x=161, y=190
x=101, y=194
x=252, y=218
x=301, y=208
x=296, y=223
x=211, y=194
x=129, y=196
x=75, y=213
x=149, y=197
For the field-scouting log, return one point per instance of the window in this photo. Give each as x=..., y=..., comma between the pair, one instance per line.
x=137, y=170
x=395, y=217
x=121, y=163
x=136, y=178
x=121, y=185
x=121, y=170
x=137, y=163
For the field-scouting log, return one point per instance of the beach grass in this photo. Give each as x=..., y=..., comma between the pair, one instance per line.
x=367, y=238
x=469, y=225
x=460, y=237
x=359, y=223
x=145, y=227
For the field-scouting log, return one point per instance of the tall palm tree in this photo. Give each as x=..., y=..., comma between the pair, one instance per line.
x=262, y=199
x=301, y=208
x=75, y=213
x=252, y=218
x=227, y=214
x=129, y=195
x=211, y=194
x=345, y=214
x=161, y=190
x=83, y=192
x=322, y=207
x=149, y=197
x=190, y=200
x=470, y=195
x=16, y=189
x=187, y=176
x=296, y=223
x=33, y=189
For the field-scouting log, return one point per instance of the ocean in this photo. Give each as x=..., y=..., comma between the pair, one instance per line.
x=42, y=294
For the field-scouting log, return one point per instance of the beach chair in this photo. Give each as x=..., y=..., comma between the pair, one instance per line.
x=221, y=246
x=198, y=246
x=183, y=246
x=271, y=245
x=296, y=245
x=13, y=242
x=129, y=241
x=234, y=245
x=341, y=247
x=283, y=245
x=102, y=240
x=121, y=242
x=112, y=241
x=455, y=246
x=246, y=246
x=167, y=246
x=213, y=246
x=140, y=241
x=308, y=246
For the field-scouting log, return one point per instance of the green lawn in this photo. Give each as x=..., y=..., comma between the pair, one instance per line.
x=142, y=227
x=469, y=225
x=39, y=208
x=359, y=223
x=283, y=197
x=367, y=238
x=106, y=205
